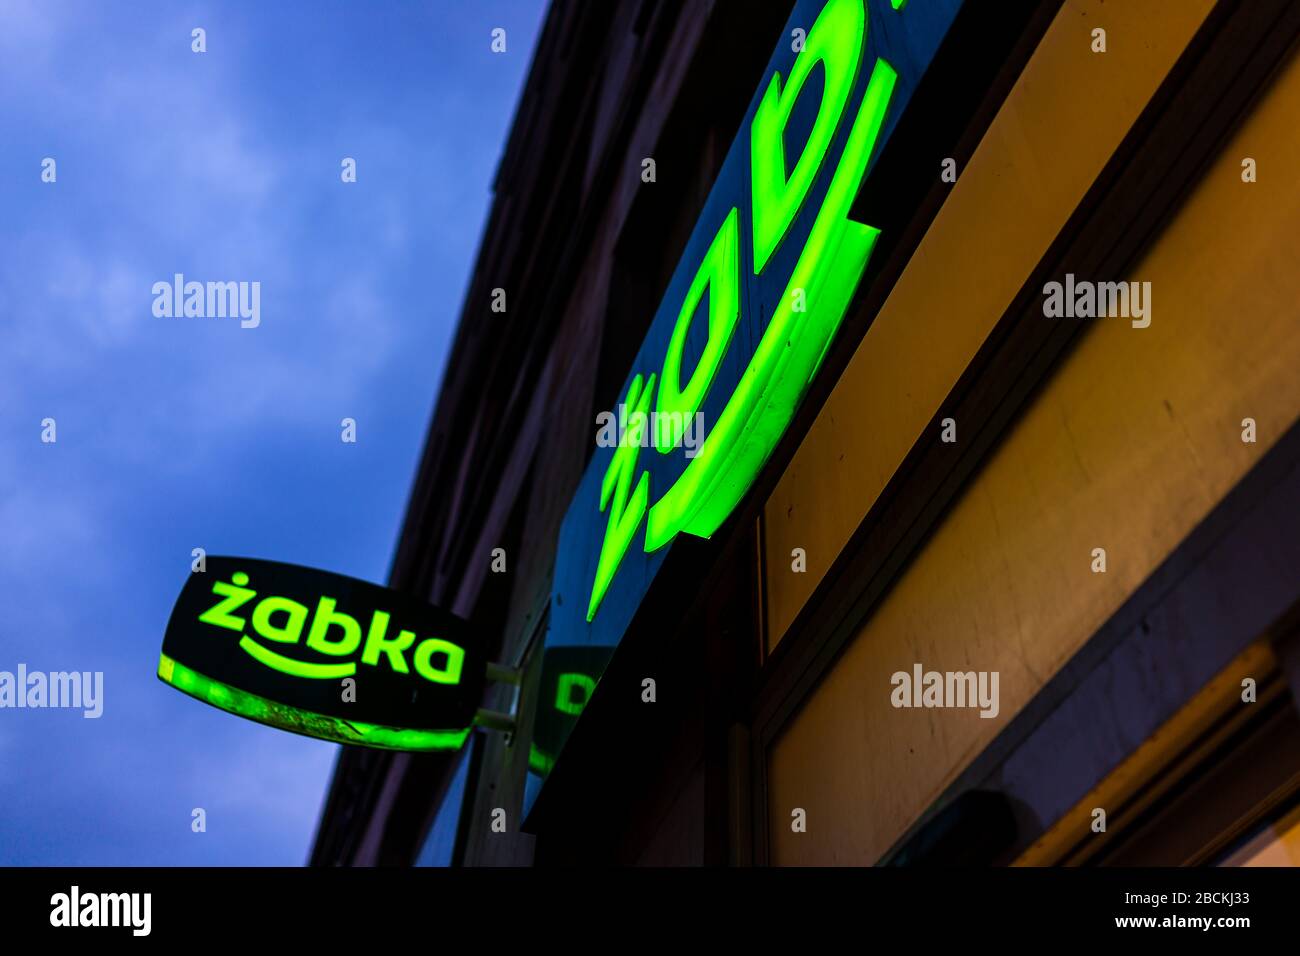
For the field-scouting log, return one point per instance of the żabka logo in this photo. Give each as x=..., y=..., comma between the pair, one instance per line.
x=819, y=287
x=292, y=617
x=380, y=667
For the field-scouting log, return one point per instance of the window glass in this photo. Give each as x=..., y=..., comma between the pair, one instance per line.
x=440, y=844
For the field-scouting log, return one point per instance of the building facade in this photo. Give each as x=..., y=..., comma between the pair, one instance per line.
x=976, y=537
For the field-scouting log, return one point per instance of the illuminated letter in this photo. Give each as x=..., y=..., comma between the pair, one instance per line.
x=450, y=673
x=236, y=596
x=377, y=643
x=792, y=347
x=564, y=701
x=626, y=506
x=320, y=625
x=836, y=42
x=292, y=628
x=719, y=273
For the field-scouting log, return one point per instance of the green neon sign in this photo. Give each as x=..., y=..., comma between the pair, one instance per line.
x=323, y=619
x=568, y=678
x=323, y=655
x=572, y=692
x=626, y=505
x=302, y=721
x=804, y=319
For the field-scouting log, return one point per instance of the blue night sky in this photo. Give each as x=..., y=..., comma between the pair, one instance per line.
x=177, y=433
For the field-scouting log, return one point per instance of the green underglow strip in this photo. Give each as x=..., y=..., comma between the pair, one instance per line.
x=274, y=714
x=288, y=665
x=836, y=41
x=786, y=359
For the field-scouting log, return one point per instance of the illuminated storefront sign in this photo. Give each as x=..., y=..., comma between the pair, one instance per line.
x=568, y=679
x=323, y=655
x=762, y=287
x=803, y=319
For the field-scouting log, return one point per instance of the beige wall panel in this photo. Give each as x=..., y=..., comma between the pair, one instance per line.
x=1132, y=443
x=1067, y=113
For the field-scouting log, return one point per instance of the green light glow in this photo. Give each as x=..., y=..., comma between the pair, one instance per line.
x=835, y=40
x=450, y=674
x=791, y=350
x=274, y=714
x=377, y=642
x=719, y=273
x=326, y=617
x=564, y=701
x=805, y=319
x=295, y=617
x=538, y=762
x=625, y=509
x=235, y=597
